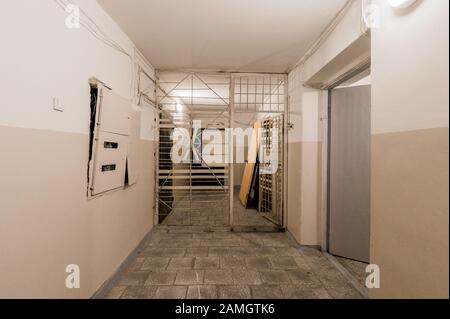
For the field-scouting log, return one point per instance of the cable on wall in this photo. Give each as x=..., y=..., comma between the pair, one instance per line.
x=92, y=27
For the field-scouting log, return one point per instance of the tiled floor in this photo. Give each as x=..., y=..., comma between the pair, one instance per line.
x=215, y=213
x=184, y=262
x=355, y=268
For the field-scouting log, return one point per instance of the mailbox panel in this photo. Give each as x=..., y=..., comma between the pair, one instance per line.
x=109, y=162
x=114, y=113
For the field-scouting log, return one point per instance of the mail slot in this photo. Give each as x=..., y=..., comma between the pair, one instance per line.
x=108, y=168
x=112, y=145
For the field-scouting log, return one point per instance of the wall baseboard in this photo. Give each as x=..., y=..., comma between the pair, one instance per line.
x=102, y=292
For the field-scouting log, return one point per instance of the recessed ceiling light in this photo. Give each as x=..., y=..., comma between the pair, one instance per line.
x=401, y=4
x=179, y=107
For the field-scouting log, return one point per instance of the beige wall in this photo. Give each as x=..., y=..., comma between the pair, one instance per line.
x=46, y=219
x=304, y=162
x=409, y=226
x=47, y=222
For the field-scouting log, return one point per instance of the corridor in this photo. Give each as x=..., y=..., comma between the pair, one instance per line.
x=178, y=263
x=217, y=149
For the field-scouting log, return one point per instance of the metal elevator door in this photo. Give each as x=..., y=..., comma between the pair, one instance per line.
x=349, y=160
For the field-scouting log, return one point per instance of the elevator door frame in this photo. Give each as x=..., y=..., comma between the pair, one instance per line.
x=325, y=101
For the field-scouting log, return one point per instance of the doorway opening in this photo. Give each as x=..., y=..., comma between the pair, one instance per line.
x=348, y=161
x=260, y=105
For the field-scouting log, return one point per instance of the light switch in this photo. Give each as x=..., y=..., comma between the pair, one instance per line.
x=57, y=106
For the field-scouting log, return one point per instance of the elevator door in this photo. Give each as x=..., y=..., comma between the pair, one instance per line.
x=349, y=188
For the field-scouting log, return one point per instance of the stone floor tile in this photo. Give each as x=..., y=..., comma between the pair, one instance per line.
x=181, y=263
x=211, y=243
x=232, y=262
x=174, y=252
x=302, y=263
x=155, y=263
x=139, y=292
x=151, y=252
x=234, y=292
x=304, y=292
x=189, y=277
x=133, y=278
x=196, y=252
x=280, y=262
x=300, y=276
x=206, y=263
x=276, y=243
x=242, y=251
x=218, y=277
x=266, y=292
x=262, y=263
x=136, y=264
x=162, y=277
x=202, y=292
x=343, y=291
x=265, y=251
x=171, y=292
x=288, y=251
x=275, y=277
x=298, y=292
x=246, y=277
x=218, y=251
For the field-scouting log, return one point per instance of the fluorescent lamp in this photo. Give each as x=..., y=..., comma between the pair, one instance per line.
x=401, y=4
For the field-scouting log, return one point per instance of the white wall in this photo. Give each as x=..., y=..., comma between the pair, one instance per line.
x=46, y=220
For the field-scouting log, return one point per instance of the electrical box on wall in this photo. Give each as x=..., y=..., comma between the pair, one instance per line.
x=110, y=140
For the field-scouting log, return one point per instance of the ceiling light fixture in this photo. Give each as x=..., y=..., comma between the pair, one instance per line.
x=401, y=4
x=179, y=107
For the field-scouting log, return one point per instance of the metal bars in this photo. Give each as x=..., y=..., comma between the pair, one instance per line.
x=272, y=168
x=193, y=191
x=260, y=93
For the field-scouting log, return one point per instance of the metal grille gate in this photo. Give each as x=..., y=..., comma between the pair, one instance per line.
x=192, y=192
x=195, y=192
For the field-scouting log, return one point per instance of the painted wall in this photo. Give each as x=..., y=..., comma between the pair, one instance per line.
x=307, y=109
x=409, y=226
x=304, y=160
x=46, y=220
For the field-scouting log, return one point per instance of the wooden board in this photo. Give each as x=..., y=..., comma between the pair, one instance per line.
x=250, y=165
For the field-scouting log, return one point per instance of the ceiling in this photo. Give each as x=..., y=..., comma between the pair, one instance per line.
x=227, y=35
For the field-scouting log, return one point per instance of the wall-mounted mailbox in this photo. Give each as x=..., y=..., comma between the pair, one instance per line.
x=108, y=164
x=114, y=112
